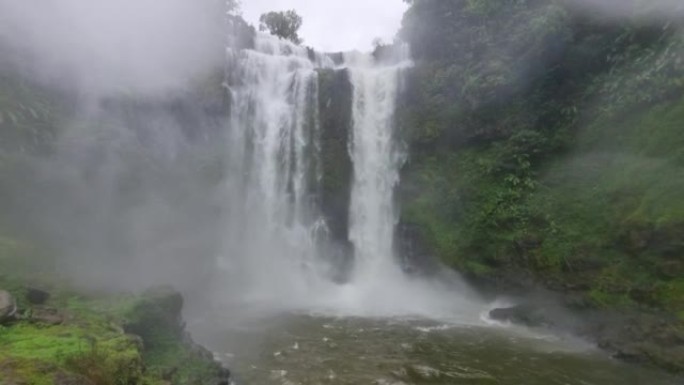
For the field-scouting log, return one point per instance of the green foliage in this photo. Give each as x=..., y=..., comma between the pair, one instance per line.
x=615, y=204
x=549, y=141
x=647, y=66
x=232, y=6
x=29, y=115
x=476, y=59
x=91, y=345
x=283, y=24
x=95, y=351
x=156, y=318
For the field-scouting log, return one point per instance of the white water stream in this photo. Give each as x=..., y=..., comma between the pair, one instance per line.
x=273, y=227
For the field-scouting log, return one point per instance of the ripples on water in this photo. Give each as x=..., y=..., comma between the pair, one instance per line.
x=308, y=350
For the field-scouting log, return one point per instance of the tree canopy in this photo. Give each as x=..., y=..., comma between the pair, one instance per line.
x=284, y=24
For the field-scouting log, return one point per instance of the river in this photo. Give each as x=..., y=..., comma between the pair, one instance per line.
x=317, y=349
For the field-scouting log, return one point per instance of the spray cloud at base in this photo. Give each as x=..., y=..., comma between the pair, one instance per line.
x=279, y=251
x=173, y=163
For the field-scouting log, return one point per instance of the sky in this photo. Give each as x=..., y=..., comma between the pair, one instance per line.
x=334, y=25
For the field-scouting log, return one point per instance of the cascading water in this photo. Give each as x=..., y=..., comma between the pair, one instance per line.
x=381, y=325
x=274, y=223
x=378, y=286
x=273, y=173
x=377, y=157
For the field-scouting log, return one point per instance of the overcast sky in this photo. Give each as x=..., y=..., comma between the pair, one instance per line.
x=336, y=25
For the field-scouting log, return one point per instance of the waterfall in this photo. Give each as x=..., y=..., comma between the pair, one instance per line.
x=273, y=256
x=377, y=157
x=273, y=173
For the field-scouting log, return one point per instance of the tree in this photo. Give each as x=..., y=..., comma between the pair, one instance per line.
x=283, y=24
x=232, y=6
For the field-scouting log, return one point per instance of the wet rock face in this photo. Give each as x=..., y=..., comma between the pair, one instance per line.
x=157, y=319
x=413, y=250
x=644, y=339
x=651, y=339
x=8, y=306
x=335, y=106
x=527, y=315
x=159, y=309
x=224, y=376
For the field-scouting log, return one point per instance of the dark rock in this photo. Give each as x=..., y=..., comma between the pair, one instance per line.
x=159, y=313
x=46, y=315
x=8, y=306
x=335, y=104
x=197, y=349
x=224, y=376
x=642, y=338
x=169, y=373
x=416, y=256
x=37, y=296
x=159, y=309
x=527, y=315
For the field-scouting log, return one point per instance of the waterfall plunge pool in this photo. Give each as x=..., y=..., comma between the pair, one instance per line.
x=309, y=349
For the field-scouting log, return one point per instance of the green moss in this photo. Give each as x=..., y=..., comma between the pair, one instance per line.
x=155, y=316
x=603, y=299
x=680, y=315
x=29, y=114
x=109, y=340
x=77, y=349
x=671, y=294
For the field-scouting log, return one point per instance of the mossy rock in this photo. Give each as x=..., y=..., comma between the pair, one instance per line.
x=107, y=340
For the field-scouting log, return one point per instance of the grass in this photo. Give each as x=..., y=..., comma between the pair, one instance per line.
x=36, y=354
x=108, y=340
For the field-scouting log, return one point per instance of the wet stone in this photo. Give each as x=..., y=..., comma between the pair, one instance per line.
x=37, y=296
x=46, y=315
x=8, y=306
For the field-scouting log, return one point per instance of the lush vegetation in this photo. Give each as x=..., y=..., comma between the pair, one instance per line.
x=100, y=340
x=546, y=152
x=284, y=24
x=547, y=147
x=97, y=339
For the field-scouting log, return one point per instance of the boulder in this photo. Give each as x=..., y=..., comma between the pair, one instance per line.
x=37, y=296
x=46, y=315
x=645, y=339
x=527, y=315
x=8, y=306
x=224, y=376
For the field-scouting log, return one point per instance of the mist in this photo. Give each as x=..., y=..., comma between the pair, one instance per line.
x=668, y=9
x=108, y=46
x=137, y=189
x=126, y=194
x=464, y=198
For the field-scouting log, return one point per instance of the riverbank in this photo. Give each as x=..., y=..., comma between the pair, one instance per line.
x=643, y=337
x=60, y=336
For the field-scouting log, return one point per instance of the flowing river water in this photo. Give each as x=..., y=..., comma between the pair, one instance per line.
x=311, y=350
